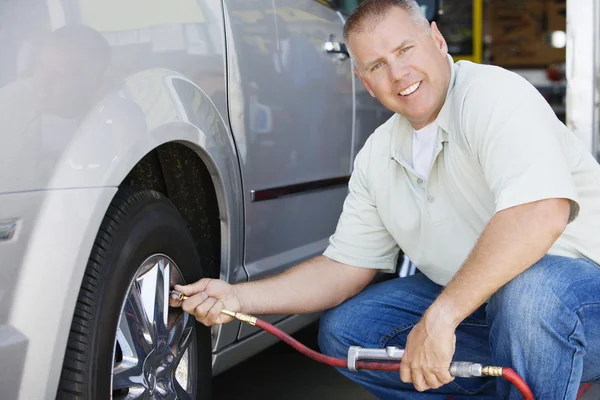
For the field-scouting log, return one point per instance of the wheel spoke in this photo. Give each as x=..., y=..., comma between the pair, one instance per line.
x=180, y=336
x=154, y=288
x=127, y=376
x=134, y=330
x=134, y=393
x=181, y=392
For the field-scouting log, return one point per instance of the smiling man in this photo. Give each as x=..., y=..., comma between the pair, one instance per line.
x=480, y=185
x=487, y=192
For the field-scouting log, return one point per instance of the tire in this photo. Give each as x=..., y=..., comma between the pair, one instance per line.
x=113, y=348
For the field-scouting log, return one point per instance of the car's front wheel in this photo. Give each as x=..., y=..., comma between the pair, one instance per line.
x=125, y=341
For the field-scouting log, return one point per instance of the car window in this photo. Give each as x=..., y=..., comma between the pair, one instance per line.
x=346, y=6
x=427, y=6
x=328, y=3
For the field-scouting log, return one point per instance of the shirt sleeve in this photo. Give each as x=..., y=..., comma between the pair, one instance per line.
x=361, y=239
x=519, y=142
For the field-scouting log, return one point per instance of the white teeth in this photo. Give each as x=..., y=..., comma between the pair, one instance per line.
x=410, y=89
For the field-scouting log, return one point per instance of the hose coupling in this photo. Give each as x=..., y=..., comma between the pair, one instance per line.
x=248, y=319
x=465, y=369
x=491, y=371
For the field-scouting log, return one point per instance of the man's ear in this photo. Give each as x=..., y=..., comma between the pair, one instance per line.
x=364, y=82
x=438, y=38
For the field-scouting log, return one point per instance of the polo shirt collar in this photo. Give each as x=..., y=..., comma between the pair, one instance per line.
x=401, y=141
x=445, y=116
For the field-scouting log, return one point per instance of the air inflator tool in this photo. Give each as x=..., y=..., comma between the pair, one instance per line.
x=387, y=359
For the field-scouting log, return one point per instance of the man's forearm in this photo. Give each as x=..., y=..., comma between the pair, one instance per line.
x=315, y=285
x=513, y=240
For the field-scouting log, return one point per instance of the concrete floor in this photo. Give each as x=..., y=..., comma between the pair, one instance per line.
x=281, y=372
x=592, y=394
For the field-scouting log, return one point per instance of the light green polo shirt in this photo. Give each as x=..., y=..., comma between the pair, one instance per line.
x=499, y=145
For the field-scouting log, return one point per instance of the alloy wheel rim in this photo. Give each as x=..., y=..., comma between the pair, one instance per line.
x=155, y=346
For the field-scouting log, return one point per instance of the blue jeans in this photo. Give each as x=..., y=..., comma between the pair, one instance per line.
x=545, y=324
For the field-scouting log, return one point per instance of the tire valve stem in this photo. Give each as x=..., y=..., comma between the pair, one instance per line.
x=248, y=319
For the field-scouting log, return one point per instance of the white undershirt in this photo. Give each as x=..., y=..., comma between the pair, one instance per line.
x=423, y=145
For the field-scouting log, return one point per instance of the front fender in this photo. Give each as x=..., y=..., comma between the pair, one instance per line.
x=151, y=108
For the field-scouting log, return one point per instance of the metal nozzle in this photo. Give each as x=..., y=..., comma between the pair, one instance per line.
x=249, y=319
x=179, y=295
x=230, y=313
x=242, y=317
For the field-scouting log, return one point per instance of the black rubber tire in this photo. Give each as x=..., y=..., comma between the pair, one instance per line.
x=138, y=223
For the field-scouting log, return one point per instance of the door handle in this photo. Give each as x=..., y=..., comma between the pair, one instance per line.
x=332, y=47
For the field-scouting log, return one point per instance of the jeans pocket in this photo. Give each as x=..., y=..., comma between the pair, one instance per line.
x=463, y=386
x=397, y=336
x=473, y=386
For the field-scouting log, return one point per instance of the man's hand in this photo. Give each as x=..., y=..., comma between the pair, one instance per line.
x=428, y=354
x=206, y=299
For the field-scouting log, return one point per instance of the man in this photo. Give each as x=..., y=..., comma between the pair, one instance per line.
x=491, y=196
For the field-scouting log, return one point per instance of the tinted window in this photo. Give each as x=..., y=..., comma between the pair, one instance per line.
x=348, y=5
x=427, y=6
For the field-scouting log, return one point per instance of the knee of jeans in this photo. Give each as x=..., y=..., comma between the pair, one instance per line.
x=331, y=328
x=526, y=302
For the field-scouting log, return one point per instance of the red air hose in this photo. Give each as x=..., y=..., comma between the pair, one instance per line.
x=507, y=373
x=510, y=375
x=322, y=358
x=393, y=366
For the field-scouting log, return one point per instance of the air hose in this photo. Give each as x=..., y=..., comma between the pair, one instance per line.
x=393, y=366
x=507, y=373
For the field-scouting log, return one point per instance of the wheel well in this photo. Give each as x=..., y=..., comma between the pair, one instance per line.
x=177, y=172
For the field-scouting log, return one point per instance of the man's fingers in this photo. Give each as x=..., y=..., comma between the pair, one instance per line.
x=444, y=377
x=193, y=288
x=432, y=381
x=201, y=311
x=419, y=381
x=214, y=314
x=405, y=375
x=189, y=305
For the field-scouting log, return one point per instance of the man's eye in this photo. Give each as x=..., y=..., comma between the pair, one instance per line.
x=376, y=66
x=405, y=49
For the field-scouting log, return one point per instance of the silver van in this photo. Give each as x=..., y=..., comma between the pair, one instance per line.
x=145, y=143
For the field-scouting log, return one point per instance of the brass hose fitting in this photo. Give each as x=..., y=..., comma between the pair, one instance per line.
x=248, y=319
x=491, y=371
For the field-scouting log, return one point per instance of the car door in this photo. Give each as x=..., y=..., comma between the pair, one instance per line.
x=291, y=111
x=369, y=112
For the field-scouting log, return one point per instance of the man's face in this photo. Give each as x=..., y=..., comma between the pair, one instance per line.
x=403, y=65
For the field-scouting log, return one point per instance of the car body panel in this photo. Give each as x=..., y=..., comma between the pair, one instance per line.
x=298, y=100
x=88, y=88
x=44, y=265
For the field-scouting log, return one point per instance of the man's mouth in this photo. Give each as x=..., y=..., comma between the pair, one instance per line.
x=411, y=89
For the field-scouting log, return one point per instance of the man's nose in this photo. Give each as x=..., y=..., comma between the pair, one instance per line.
x=398, y=70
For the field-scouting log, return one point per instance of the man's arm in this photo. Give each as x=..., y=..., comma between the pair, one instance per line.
x=514, y=239
x=315, y=285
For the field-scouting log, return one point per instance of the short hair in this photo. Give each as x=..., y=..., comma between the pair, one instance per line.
x=375, y=10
